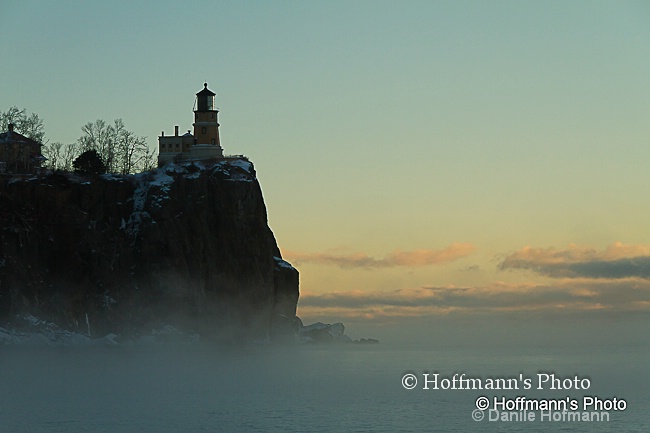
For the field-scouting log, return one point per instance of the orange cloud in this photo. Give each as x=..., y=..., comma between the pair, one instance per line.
x=614, y=262
x=566, y=295
x=411, y=259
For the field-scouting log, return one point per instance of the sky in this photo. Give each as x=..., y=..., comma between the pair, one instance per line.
x=419, y=160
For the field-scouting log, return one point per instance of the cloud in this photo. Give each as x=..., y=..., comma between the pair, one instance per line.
x=569, y=295
x=616, y=261
x=613, y=280
x=410, y=259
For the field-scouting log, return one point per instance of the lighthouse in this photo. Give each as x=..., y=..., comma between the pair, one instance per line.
x=206, y=126
x=204, y=143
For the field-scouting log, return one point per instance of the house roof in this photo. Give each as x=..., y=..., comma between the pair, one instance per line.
x=15, y=137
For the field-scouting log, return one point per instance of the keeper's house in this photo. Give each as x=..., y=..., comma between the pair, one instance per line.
x=19, y=154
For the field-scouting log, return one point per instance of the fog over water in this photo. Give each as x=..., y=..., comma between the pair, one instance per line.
x=327, y=388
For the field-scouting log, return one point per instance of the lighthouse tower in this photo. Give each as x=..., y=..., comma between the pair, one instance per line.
x=204, y=144
x=206, y=127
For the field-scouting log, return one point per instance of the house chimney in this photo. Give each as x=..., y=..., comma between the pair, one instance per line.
x=162, y=133
x=176, y=130
x=11, y=127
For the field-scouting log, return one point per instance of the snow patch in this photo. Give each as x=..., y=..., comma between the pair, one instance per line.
x=112, y=177
x=282, y=263
x=139, y=215
x=161, y=178
x=247, y=166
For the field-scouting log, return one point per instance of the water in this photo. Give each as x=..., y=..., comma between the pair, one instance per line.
x=348, y=388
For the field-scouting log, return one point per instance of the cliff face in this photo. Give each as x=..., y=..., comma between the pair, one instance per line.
x=186, y=245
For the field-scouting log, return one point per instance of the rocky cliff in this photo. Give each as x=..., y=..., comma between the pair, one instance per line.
x=187, y=245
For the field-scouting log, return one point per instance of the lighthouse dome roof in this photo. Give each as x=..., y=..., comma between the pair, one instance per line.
x=205, y=91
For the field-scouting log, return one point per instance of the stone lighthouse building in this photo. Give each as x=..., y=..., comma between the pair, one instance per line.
x=204, y=143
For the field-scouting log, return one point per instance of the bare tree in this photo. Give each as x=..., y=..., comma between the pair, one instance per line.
x=68, y=155
x=131, y=149
x=53, y=154
x=98, y=136
x=150, y=160
x=121, y=150
x=31, y=126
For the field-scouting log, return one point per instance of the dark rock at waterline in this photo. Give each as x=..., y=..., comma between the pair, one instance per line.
x=320, y=332
x=366, y=341
x=323, y=333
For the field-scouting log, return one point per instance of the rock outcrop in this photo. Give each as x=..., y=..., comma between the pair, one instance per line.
x=186, y=245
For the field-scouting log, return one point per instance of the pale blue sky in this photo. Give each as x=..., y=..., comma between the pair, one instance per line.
x=374, y=125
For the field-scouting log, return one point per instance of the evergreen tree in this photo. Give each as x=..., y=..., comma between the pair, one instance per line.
x=89, y=162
